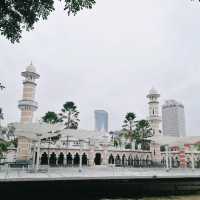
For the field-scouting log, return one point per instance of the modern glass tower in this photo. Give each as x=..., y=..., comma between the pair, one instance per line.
x=173, y=118
x=101, y=120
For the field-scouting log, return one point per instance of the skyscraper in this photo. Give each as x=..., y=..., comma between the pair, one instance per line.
x=101, y=120
x=173, y=118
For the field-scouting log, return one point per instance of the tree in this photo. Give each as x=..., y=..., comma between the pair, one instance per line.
x=69, y=115
x=18, y=15
x=1, y=86
x=51, y=118
x=143, y=129
x=1, y=115
x=3, y=147
x=129, y=125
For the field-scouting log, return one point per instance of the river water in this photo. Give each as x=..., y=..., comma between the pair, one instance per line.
x=185, y=197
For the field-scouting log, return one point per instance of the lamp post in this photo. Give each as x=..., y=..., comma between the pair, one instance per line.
x=81, y=148
x=34, y=151
x=38, y=152
x=192, y=153
x=167, y=157
x=49, y=141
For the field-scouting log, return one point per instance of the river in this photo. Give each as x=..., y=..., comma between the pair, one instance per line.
x=185, y=197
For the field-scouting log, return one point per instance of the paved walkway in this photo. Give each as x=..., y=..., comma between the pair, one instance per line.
x=99, y=172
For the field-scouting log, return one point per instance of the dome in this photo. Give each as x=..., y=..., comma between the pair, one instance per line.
x=153, y=91
x=31, y=68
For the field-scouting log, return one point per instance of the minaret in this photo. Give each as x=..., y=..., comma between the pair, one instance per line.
x=28, y=104
x=154, y=117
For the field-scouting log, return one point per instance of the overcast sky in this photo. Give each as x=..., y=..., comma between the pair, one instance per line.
x=108, y=58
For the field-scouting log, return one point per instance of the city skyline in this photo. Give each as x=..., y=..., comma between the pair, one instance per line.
x=144, y=117
x=98, y=61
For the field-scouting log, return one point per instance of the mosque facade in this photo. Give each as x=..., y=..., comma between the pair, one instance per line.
x=91, y=148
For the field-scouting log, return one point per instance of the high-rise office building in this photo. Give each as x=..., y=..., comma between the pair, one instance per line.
x=173, y=118
x=101, y=120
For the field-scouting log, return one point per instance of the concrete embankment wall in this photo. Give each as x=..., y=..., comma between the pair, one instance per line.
x=102, y=187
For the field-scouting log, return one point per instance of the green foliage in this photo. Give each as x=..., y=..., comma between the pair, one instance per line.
x=14, y=142
x=128, y=146
x=117, y=142
x=136, y=130
x=1, y=86
x=18, y=15
x=3, y=147
x=74, y=6
x=197, y=146
x=69, y=115
x=143, y=129
x=128, y=126
x=162, y=148
x=51, y=118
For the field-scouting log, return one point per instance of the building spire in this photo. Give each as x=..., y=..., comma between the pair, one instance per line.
x=154, y=116
x=28, y=104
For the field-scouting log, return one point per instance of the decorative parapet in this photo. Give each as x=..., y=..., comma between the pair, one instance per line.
x=31, y=103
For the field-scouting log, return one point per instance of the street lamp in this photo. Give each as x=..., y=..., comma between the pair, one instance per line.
x=34, y=151
x=167, y=156
x=81, y=147
x=192, y=152
x=38, y=151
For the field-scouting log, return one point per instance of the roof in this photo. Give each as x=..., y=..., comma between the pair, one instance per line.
x=31, y=130
x=153, y=92
x=172, y=141
x=31, y=68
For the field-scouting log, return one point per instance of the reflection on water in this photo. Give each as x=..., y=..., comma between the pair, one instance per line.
x=187, y=197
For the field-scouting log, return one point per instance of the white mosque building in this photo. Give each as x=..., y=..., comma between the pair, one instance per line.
x=91, y=148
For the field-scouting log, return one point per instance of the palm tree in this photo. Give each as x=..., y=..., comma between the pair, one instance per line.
x=69, y=115
x=129, y=126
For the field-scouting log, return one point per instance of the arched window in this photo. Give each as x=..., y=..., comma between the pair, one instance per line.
x=124, y=160
x=52, y=159
x=84, y=159
x=130, y=161
x=61, y=159
x=111, y=159
x=44, y=159
x=69, y=159
x=76, y=159
x=97, y=159
x=117, y=160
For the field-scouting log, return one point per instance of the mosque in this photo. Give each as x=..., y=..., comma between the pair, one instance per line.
x=92, y=148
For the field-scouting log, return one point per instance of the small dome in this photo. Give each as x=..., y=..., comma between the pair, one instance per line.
x=31, y=68
x=153, y=91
